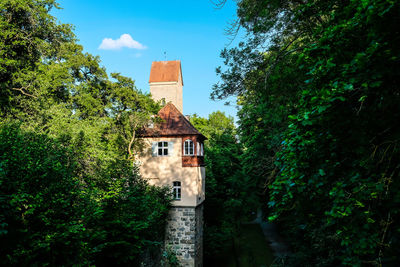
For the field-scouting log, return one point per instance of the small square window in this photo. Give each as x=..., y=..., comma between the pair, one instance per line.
x=162, y=148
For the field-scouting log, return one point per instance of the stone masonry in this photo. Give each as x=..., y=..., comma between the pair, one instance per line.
x=184, y=234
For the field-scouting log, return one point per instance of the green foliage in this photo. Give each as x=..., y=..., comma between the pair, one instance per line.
x=131, y=221
x=217, y=124
x=69, y=188
x=227, y=188
x=169, y=258
x=318, y=87
x=52, y=86
x=50, y=218
x=40, y=200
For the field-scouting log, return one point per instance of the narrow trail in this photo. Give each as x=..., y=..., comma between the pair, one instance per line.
x=276, y=242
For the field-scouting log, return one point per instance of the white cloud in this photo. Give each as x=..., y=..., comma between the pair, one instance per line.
x=125, y=40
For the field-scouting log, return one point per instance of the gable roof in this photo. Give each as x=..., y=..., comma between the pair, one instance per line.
x=165, y=71
x=174, y=124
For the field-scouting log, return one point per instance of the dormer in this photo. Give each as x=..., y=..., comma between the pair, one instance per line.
x=166, y=82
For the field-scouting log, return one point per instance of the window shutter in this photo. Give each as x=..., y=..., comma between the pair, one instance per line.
x=170, y=148
x=154, y=146
x=198, y=148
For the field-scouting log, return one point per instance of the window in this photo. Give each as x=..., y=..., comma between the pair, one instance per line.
x=200, y=149
x=188, y=148
x=176, y=190
x=162, y=148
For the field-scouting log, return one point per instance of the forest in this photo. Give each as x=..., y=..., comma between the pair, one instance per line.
x=69, y=191
x=315, y=146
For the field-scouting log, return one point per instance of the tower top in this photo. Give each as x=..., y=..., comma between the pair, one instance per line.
x=166, y=82
x=166, y=71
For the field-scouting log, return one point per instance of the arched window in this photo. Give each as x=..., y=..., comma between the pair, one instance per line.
x=188, y=148
x=176, y=190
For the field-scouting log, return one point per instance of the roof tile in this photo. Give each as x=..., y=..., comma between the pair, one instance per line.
x=165, y=71
x=174, y=123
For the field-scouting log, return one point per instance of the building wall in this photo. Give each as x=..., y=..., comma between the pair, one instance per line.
x=164, y=170
x=184, y=234
x=201, y=185
x=170, y=91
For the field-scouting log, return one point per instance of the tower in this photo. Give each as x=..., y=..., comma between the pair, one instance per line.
x=174, y=157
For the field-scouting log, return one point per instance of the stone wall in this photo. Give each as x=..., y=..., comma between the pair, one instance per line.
x=184, y=234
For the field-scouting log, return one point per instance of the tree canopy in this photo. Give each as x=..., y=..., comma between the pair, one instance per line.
x=317, y=84
x=70, y=189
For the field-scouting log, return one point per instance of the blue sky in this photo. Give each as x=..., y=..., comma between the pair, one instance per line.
x=187, y=30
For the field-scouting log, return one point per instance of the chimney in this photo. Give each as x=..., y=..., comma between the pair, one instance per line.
x=166, y=82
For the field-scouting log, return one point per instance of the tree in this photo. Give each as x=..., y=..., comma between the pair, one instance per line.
x=41, y=218
x=76, y=135
x=227, y=188
x=29, y=34
x=53, y=87
x=332, y=132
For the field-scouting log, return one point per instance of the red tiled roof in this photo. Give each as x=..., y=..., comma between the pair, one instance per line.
x=174, y=123
x=165, y=71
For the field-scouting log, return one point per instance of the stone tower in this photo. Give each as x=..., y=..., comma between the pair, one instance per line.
x=174, y=157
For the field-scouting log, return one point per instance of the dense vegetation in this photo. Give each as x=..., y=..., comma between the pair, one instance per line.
x=317, y=83
x=69, y=191
x=317, y=142
x=227, y=188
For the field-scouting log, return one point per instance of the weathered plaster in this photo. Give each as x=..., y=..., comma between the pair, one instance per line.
x=164, y=170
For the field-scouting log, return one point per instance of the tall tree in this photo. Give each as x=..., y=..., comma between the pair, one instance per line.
x=50, y=84
x=332, y=132
x=76, y=129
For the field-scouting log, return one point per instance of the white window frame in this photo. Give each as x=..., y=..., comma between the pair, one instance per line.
x=177, y=190
x=162, y=149
x=167, y=148
x=188, y=148
x=200, y=149
x=198, y=153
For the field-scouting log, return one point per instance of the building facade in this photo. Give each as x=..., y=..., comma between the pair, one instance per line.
x=173, y=156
